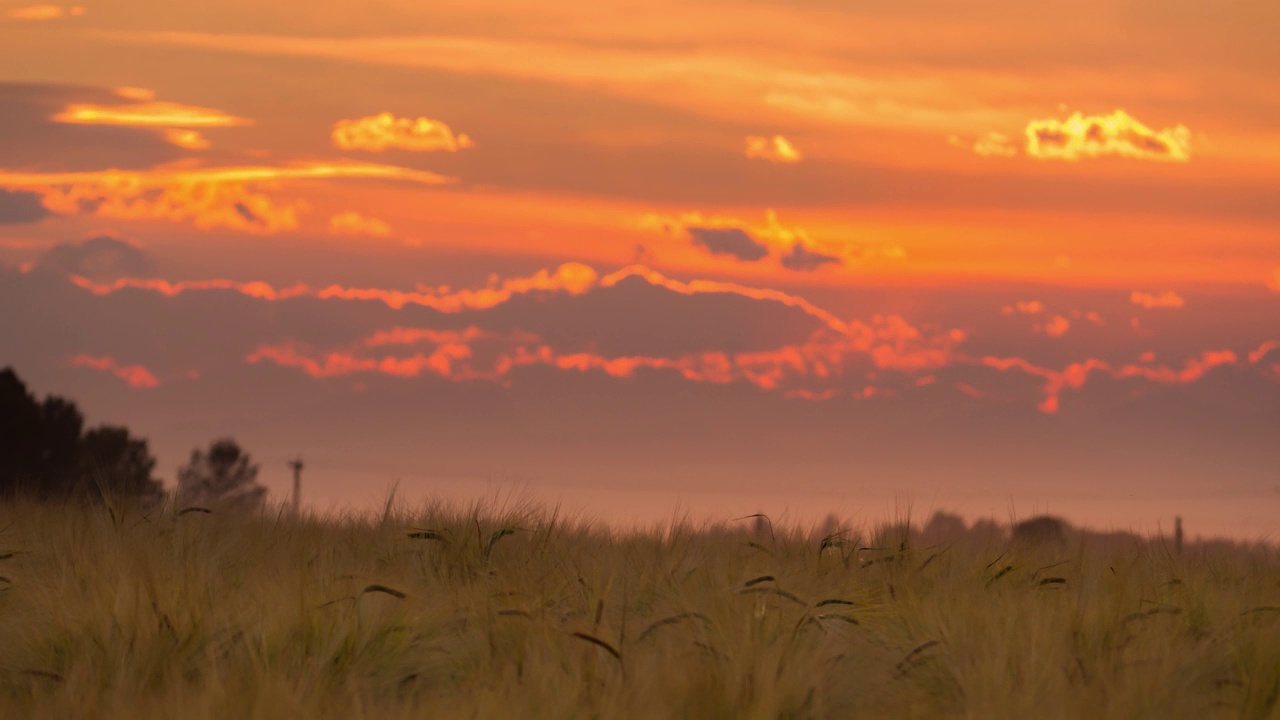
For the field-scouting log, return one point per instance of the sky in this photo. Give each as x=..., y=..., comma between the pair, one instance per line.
x=712, y=257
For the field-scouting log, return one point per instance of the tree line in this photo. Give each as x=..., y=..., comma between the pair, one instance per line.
x=47, y=454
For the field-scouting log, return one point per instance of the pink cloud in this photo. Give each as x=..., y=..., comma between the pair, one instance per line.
x=136, y=376
x=1166, y=299
x=1075, y=375
x=1057, y=327
x=1025, y=307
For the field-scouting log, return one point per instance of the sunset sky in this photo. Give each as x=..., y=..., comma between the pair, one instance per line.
x=723, y=256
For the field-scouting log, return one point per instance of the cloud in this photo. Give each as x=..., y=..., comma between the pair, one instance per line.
x=1263, y=350
x=1166, y=299
x=572, y=278
x=99, y=259
x=45, y=12
x=206, y=197
x=1075, y=375
x=136, y=376
x=731, y=241
x=888, y=342
x=776, y=149
x=1026, y=307
x=18, y=207
x=1273, y=284
x=147, y=113
x=1057, y=327
x=176, y=123
x=385, y=131
x=802, y=259
x=1119, y=134
x=994, y=144
x=188, y=139
x=353, y=223
x=789, y=248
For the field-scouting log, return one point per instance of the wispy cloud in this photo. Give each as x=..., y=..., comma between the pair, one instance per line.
x=136, y=376
x=786, y=247
x=353, y=223
x=1091, y=136
x=889, y=343
x=385, y=131
x=148, y=113
x=45, y=12
x=1075, y=375
x=1166, y=299
x=188, y=139
x=210, y=197
x=572, y=278
x=994, y=144
x=775, y=149
x=1026, y=307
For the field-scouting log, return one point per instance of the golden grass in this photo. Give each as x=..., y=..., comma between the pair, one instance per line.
x=515, y=612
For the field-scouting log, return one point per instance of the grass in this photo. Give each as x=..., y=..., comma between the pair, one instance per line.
x=514, y=611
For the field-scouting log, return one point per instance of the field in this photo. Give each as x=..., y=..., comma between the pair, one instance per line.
x=513, y=611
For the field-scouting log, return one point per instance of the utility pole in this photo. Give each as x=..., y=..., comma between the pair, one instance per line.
x=1177, y=533
x=296, y=465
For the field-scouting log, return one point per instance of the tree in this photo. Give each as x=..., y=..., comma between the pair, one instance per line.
x=19, y=419
x=46, y=455
x=58, y=435
x=112, y=460
x=1041, y=530
x=223, y=476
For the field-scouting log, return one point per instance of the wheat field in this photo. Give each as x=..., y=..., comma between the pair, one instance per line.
x=511, y=610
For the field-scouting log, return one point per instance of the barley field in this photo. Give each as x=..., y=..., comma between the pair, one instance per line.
x=511, y=610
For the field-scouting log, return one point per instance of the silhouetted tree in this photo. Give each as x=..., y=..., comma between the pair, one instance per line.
x=1042, y=529
x=113, y=461
x=37, y=440
x=944, y=527
x=58, y=441
x=45, y=453
x=223, y=476
x=19, y=420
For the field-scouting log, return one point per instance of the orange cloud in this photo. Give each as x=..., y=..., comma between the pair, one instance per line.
x=136, y=376
x=889, y=342
x=189, y=139
x=206, y=197
x=994, y=144
x=1166, y=299
x=1057, y=327
x=148, y=113
x=693, y=287
x=1092, y=136
x=573, y=278
x=1263, y=350
x=45, y=12
x=386, y=131
x=353, y=223
x=775, y=149
x=1075, y=375
x=788, y=248
x=1273, y=284
x=1026, y=307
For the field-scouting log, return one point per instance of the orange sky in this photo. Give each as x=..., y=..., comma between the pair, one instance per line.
x=890, y=166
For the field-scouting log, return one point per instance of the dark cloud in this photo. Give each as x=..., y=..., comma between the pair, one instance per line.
x=103, y=258
x=18, y=207
x=806, y=260
x=733, y=242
